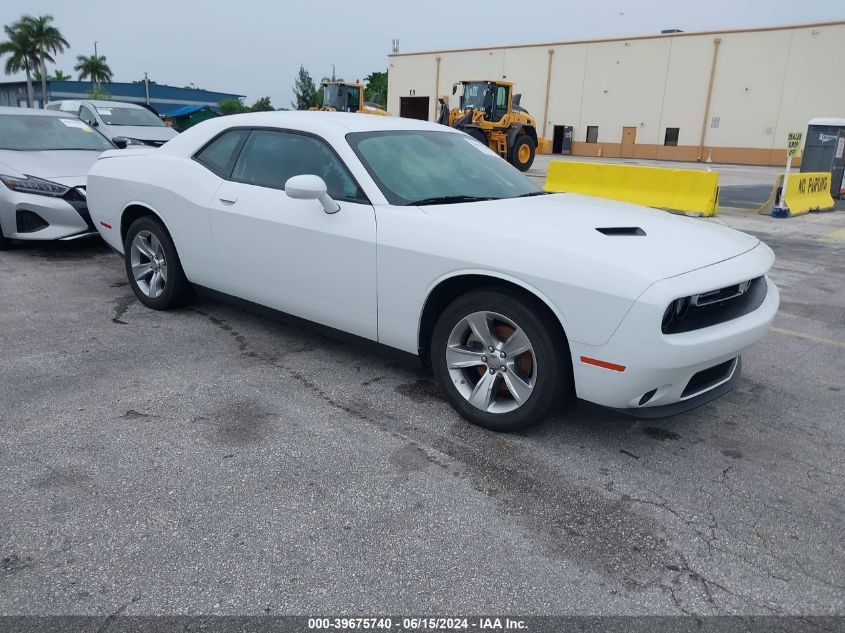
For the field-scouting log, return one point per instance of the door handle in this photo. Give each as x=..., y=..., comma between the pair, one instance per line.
x=229, y=200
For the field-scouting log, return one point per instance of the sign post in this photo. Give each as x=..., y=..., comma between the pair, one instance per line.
x=793, y=148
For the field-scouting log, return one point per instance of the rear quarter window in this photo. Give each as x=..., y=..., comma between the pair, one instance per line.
x=219, y=154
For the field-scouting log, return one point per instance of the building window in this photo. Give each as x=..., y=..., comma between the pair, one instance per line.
x=671, y=139
x=592, y=133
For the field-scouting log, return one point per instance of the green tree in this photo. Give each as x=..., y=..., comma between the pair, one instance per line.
x=376, y=88
x=99, y=93
x=60, y=75
x=304, y=90
x=232, y=106
x=94, y=68
x=262, y=105
x=47, y=40
x=20, y=54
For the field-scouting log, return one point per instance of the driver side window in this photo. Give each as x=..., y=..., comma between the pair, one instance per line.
x=269, y=158
x=86, y=115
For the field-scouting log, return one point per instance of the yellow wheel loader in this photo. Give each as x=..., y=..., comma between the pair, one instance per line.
x=490, y=112
x=342, y=96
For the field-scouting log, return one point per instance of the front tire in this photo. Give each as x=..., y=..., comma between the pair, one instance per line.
x=153, y=267
x=523, y=152
x=500, y=360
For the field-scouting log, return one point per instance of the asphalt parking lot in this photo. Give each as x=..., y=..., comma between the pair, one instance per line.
x=212, y=460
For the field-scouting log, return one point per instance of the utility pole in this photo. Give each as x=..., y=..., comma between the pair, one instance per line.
x=95, y=81
x=147, y=87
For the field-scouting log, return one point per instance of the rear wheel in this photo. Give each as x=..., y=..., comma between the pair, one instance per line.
x=153, y=267
x=499, y=360
x=523, y=152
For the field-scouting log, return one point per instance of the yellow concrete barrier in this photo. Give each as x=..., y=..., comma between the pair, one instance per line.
x=544, y=145
x=687, y=190
x=809, y=191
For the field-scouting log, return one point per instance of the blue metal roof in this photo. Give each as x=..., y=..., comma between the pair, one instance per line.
x=163, y=98
x=186, y=110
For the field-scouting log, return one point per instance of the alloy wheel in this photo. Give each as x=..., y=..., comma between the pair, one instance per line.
x=149, y=264
x=491, y=362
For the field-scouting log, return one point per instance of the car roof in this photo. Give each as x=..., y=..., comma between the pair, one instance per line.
x=336, y=121
x=97, y=103
x=32, y=112
x=332, y=126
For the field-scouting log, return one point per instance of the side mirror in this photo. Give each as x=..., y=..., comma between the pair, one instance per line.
x=120, y=141
x=454, y=88
x=307, y=187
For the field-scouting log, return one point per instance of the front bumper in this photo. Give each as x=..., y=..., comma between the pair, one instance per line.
x=65, y=219
x=692, y=402
x=666, y=364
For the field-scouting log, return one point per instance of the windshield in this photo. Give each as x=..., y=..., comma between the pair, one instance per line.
x=112, y=115
x=342, y=98
x=28, y=132
x=413, y=165
x=474, y=94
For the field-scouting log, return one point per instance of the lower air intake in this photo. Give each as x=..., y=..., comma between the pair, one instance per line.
x=707, y=378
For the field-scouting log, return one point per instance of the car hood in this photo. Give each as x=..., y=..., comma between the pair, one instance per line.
x=64, y=166
x=141, y=132
x=567, y=223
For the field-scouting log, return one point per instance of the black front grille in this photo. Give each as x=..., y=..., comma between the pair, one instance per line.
x=29, y=221
x=708, y=378
x=83, y=212
x=77, y=198
x=721, y=305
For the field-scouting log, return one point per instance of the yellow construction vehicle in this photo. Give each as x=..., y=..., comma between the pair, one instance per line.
x=343, y=96
x=490, y=112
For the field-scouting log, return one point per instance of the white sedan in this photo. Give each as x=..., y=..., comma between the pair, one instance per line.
x=417, y=236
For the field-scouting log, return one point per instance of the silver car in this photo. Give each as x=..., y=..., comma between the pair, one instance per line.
x=44, y=161
x=125, y=124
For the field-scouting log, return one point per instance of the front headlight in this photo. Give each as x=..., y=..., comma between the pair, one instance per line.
x=133, y=141
x=37, y=186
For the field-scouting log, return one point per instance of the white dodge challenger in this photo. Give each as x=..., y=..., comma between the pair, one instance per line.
x=416, y=236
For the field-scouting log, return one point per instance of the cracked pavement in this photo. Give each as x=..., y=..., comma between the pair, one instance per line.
x=214, y=460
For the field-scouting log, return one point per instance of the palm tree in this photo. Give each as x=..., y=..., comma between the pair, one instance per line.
x=47, y=40
x=94, y=68
x=21, y=55
x=59, y=75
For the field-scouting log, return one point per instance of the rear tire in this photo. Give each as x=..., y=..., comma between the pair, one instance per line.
x=505, y=389
x=153, y=267
x=523, y=152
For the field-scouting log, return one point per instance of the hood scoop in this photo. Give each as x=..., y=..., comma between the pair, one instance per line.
x=621, y=230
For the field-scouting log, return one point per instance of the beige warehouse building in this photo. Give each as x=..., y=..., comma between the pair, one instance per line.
x=731, y=96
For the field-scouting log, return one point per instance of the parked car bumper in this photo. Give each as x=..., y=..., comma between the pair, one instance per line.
x=32, y=217
x=649, y=373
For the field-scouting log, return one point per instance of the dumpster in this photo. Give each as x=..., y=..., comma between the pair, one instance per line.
x=824, y=150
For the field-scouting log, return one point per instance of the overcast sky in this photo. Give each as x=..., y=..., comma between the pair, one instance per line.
x=255, y=48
